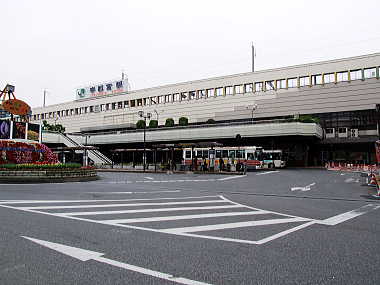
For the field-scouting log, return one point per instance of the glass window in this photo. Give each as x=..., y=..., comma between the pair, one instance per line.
x=205, y=153
x=87, y=109
x=229, y=90
x=218, y=153
x=240, y=154
x=132, y=103
x=139, y=102
x=356, y=74
x=248, y=87
x=188, y=154
x=91, y=109
x=192, y=95
x=269, y=85
x=304, y=81
x=113, y=106
x=76, y=112
x=146, y=101
x=168, y=98
x=160, y=99
x=126, y=104
x=102, y=107
x=176, y=97
x=153, y=100
x=96, y=108
x=281, y=84
x=210, y=93
x=258, y=86
x=292, y=82
x=184, y=96
x=316, y=79
x=201, y=94
x=329, y=78
x=239, y=89
x=231, y=154
x=224, y=153
x=342, y=76
x=370, y=72
x=219, y=91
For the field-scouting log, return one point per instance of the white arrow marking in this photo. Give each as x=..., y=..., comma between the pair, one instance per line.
x=84, y=255
x=303, y=189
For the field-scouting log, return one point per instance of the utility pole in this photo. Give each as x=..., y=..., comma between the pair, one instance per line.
x=253, y=58
x=44, y=97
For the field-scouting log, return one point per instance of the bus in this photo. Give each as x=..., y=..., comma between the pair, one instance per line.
x=273, y=159
x=223, y=158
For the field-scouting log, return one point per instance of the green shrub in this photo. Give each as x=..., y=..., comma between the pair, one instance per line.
x=140, y=124
x=153, y=124
x=210, y=121
x=183, y=121
x=308, y=119
x=169, y=122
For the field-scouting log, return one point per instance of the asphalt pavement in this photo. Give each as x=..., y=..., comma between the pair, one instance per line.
x=289, y=226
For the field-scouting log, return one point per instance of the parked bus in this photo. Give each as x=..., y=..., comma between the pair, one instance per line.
x=273, y=159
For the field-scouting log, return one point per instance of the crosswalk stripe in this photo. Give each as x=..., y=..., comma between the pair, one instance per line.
x=232, y=225
x=183, y=217
x=121, y=205
x=88, y=201
x=146, y=210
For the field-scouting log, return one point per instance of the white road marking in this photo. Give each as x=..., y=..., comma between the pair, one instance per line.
x=122, y=205
x=146, y=210
x=87, y=201
x=267, y=172
x=142, y=192
x=233, y=225
x=184, y=217
x=231, y=177
x=303, y=189
x=85, y=255
x=348, y=215
x=150, y=178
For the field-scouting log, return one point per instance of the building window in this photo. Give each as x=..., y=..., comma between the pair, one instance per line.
x=153, y=101
x=281, y=84
x=269, y=85
x=316, y=79
x=258, y=86
x=229, y=90
x=126, y=104
x=168, y=98
x=239, y=89
x=160, y=99
x=329, y=78
x=100, y=88
x=184, y=96
x=356, y=74
x=292, y=82
x=146, y=101
x=139, y=102
x=192, y=95
x=248, y=87
x=210, y=93
x=176, y=97
x=342, y=76
x=120, y=105
x=304, y=81
x=370, y=72
x=201, y=94
x=219, y=91
x=87, y=109
x=113, y=106
x=132, y=103
x=102, y=107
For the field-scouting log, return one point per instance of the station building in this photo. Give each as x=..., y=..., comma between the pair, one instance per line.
x=263, y=107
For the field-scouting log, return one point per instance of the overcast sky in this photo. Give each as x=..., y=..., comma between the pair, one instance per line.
x=62, y=45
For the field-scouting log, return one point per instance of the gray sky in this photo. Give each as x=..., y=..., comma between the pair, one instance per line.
x=61, y=45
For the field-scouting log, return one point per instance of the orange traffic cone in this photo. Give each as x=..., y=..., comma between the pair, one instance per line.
x=372, y=180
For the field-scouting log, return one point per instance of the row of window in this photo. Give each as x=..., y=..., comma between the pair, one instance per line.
x=262, y=86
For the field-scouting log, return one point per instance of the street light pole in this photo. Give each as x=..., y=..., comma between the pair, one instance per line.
x=144, y=116
x=254, y=108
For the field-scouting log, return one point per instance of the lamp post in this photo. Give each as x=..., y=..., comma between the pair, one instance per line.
x=144, y=116
x=254, y=108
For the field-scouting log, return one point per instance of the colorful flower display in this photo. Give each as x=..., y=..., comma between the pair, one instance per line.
x=25, y=152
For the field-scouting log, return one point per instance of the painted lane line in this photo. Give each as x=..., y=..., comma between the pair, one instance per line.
x=146, y=210
x=303, y=189
x=335, y=220
x=267, y=172
x=232, y=177
x=85, y=255
x=142, y=192
x=122, y=205
x=88, y=201
x=286, y=232
x=233, y=225
x=184, y=217
x=150, y=178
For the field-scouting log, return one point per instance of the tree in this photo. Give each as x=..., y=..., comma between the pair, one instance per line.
x=153, y=124
x=210, y=121
x=308, y=119
x=169, y=122
x=140, y=124
x=183, y=121
x=53, y=128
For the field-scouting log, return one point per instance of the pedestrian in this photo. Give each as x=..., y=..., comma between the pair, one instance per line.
x=221, y=164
